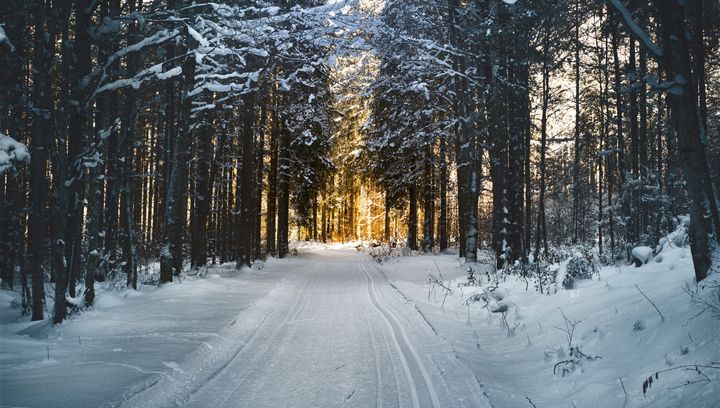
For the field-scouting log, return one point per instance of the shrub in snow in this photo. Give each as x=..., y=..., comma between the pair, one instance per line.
x=706, y=296
x=11, y=152
x=582, y=266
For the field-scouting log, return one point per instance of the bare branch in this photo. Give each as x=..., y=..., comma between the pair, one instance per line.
x=651, y=302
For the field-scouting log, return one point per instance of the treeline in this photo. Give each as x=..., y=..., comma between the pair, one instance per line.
x=586, y=123
x=156, y=131
x=171, y=131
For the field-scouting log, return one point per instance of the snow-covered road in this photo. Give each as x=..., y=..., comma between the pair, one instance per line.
x=336, y=334
x=332, y=328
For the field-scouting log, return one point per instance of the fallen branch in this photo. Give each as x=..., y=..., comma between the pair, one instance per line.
x=651, y=302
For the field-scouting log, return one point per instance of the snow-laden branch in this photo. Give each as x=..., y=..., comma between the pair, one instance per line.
x=636, y=31
x=155, y=39
x=11, y=152
x=5, y=40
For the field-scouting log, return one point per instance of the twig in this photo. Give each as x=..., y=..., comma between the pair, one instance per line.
x=565, y=362
x=662, y=318
x=569, y=329
x=623, y=386
x=530, y=401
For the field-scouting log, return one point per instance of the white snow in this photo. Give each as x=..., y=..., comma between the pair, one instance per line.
x=330, y=327
x=515, y=362
x=169, y=73
x=642, y=253
x=11, y=152
x=198, y=37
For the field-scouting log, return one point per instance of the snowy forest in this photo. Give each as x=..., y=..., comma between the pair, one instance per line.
x=147, y=143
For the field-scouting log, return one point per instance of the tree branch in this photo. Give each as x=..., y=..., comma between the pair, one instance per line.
x=636, y=31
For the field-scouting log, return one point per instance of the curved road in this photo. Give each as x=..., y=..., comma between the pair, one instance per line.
x=336, y=335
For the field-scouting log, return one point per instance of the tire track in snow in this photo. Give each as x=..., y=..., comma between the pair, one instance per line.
x=284, y=330
x=276, y=337
x=376, y=357
x=398, y=333
x=177, y=389
x=436, y=341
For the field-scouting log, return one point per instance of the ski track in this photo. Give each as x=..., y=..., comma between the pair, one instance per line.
x=337, y=334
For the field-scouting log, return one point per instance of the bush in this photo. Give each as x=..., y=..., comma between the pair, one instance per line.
x=582, y=266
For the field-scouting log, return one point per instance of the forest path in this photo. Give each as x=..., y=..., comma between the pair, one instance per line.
x=338, y=335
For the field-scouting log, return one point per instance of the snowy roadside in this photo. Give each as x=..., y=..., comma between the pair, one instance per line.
x=514, y=344
x=129, y=339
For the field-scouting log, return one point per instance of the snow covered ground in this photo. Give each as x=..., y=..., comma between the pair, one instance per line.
x=126, y=342
x=620, y=332
x=331, y=327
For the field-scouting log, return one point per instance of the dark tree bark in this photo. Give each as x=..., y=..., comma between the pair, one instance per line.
x=576, y=137
x=283, y=193
x=174, y=220
x=39, y=144
x=270, y=220
x=248, y=183
x=620, y=166
x=60, y=196
x=442, y=220
x=124, y=166
x=77, y=138
x=428, y=201
x=633, y=227
x=541, y=230
x=412, y=217
x=257, y=191
x=202, y=196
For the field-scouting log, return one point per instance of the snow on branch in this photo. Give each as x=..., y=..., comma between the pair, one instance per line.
x=635, y=30
x=11, y=151
x=155, y=39
x=5, y=40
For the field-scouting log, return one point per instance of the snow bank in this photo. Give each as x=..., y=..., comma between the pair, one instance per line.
x=128, y=340
x=642, y=254
x=517, y=342
x=11, y=152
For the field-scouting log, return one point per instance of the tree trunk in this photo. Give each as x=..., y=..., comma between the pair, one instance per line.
x=41, y=131
x=59, y=199
x=576, y=137
x=428, y=201
x=270, y=220
x=178, y=176
x=124, y=167
x=442, y=221
x=412, y=217
x=704, y=219
x=204, y=181
x=541, y=231
x=283, y=193
x=248, y=183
